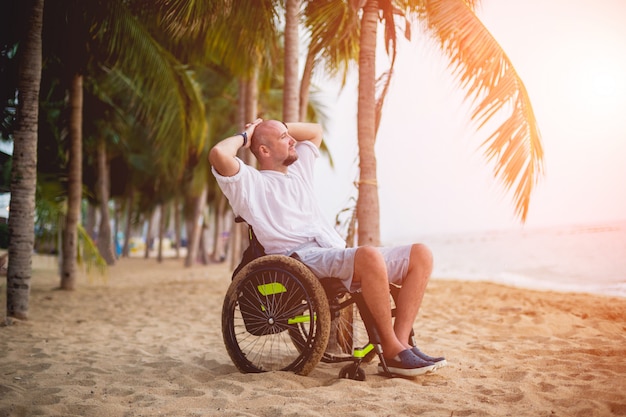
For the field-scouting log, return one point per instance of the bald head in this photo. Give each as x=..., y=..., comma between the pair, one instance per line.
x=265, y=132
x=272, y=145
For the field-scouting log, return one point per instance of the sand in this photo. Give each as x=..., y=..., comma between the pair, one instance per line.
x=148, y=343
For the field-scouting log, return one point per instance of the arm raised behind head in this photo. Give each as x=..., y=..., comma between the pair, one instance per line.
x=222, y=155
x=306, y=131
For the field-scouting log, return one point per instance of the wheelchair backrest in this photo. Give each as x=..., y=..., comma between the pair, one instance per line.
x=254, y=250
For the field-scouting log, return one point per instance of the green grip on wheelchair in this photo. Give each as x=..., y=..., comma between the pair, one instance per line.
x=271, y=289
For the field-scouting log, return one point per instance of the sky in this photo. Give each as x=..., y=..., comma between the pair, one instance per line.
x=433, y=179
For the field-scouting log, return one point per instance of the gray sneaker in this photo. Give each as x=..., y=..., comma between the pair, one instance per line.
x=439, y=361
x=406, y=364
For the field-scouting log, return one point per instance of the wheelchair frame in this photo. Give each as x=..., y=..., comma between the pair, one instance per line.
x=278, y=316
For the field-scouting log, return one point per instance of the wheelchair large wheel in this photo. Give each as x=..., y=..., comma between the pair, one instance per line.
x=275, y=317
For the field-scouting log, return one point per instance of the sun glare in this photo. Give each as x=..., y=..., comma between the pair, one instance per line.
x=602, y=83
x=595, y=87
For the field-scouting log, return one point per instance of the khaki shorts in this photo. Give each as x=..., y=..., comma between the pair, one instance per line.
x=339, y=263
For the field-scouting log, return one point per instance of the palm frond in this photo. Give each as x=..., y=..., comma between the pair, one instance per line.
x=233, y=33
x=89, y=256
x=187, y=19
x=333, y=31
x=245, y=37
x=493, y=88
x=164, y=95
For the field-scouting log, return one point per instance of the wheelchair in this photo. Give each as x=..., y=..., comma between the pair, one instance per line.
x=278, y=316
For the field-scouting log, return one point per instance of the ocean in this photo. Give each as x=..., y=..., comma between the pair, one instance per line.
x=587, y=258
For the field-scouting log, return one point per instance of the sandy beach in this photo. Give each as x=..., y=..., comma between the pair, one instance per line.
x=147, y=342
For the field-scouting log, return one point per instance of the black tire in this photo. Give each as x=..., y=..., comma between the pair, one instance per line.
x=266, y=315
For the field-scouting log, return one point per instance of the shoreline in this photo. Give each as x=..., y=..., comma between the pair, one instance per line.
x=525, y=283
x=586, y=258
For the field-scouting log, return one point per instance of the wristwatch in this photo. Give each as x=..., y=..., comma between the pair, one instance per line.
x=245, y=138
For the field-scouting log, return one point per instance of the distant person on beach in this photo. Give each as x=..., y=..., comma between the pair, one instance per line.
x=278, y=201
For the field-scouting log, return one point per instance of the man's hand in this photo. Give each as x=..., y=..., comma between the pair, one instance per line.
x=222, y=155
x=249, y=129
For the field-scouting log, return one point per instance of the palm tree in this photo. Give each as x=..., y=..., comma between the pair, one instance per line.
x=367, y=203
x=105, y=239
x=163, y=90
x=492, y=84
x=24, y=173
x=74, y=185
x=483, y=70
x=104, y=131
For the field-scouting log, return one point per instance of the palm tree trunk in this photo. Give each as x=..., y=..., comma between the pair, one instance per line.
x=291, y=100
x=105, y=241
x=203, y=251
x=24, y=171
x=368, y=211
x=248, y=99
x=74, y=185
x=116, y=228
x=177, y=224
x=162, y=223
x=219, y=221
x=148, y=239
x=130, y=203
x=305, y=85
x=194, y=227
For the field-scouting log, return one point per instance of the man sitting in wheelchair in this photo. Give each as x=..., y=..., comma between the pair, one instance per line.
x=278, y=201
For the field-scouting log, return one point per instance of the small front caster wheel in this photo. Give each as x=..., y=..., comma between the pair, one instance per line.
x=352, y=371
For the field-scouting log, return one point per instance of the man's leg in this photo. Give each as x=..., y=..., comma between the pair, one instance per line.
x=370, y=270
x=412, y=291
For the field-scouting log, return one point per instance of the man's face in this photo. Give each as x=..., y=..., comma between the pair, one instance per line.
x=284, y=147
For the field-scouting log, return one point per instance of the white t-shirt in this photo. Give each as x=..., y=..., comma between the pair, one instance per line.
x=281, y=208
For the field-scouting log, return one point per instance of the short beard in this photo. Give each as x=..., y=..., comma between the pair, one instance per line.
x=290, y=160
